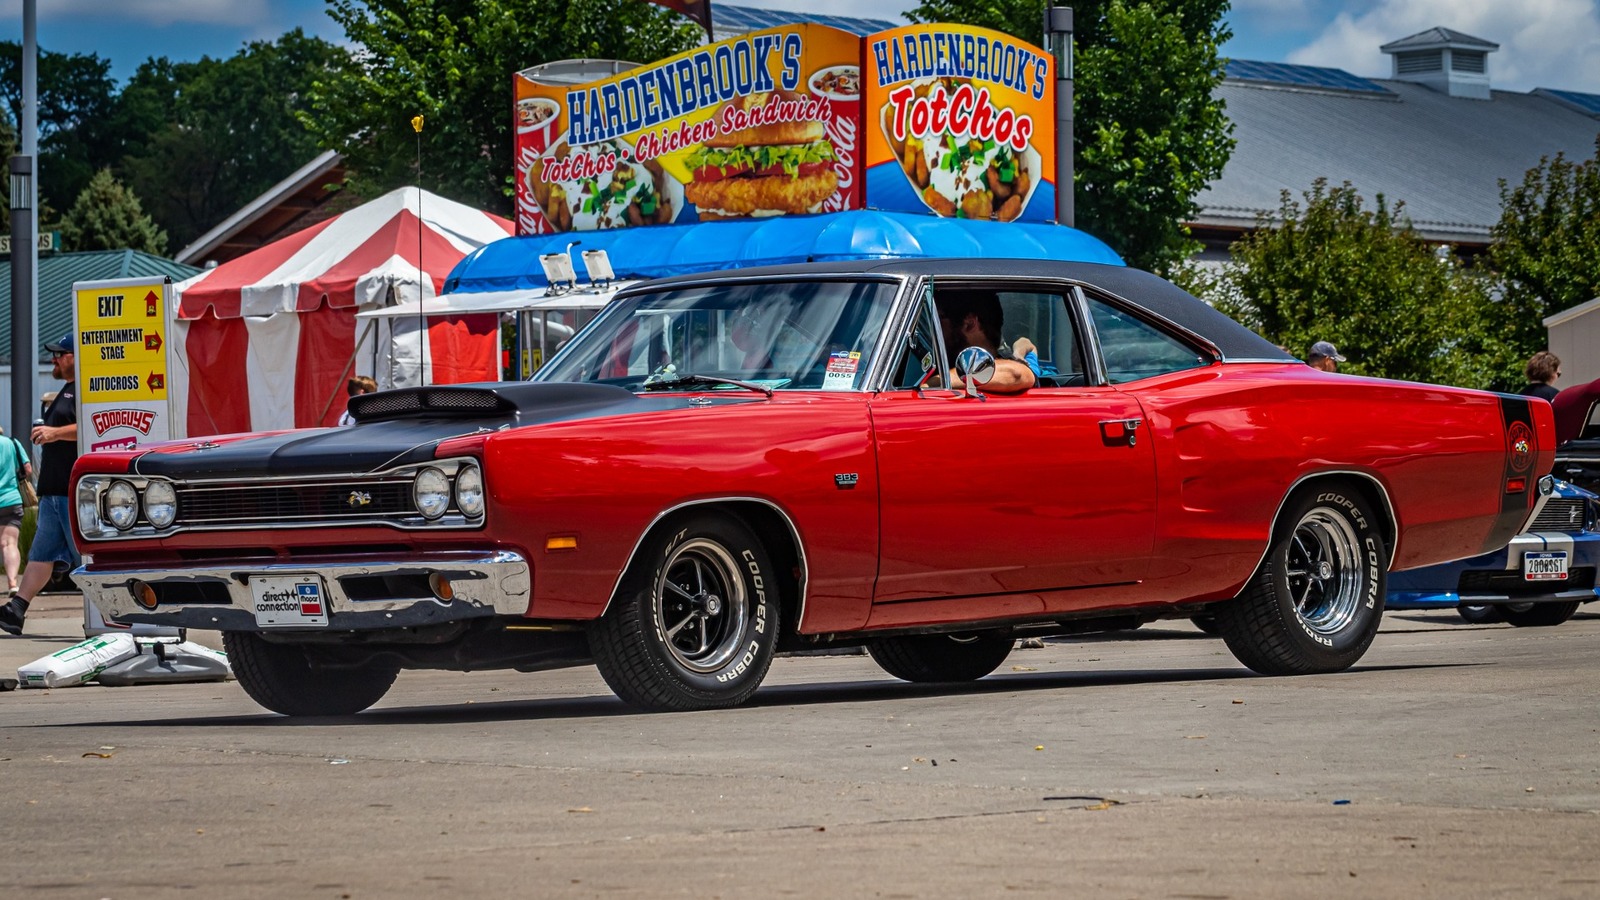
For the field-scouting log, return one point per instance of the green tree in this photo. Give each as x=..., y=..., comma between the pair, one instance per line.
x=1546, y=245
x=1149, y=132
x=107, y=216
x=451, y=61
x=233, y=128
x=76, y=98
x=1360, y=277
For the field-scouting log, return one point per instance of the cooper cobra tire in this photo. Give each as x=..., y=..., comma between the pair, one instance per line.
x=694, y=624
x=941, y=657
x=1314, y=604
x=1475, y=614
x=1541, y=615
x=281, y=678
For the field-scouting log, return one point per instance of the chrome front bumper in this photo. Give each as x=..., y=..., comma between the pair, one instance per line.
x=368, y=595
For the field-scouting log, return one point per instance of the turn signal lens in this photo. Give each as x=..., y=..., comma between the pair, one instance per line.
x=1516, y=485
x=441, y=587
x=469, y=491
x=431, y=490
x=144, y=594
x=160, y=503
x=122, y=505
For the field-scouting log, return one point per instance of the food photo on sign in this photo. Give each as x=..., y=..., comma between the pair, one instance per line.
x=759, y=125
x=962, y=124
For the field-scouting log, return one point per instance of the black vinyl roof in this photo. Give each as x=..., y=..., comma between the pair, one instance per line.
x=1140, y=288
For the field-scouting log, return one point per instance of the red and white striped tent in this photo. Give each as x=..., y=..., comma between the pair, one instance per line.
x=268, y=340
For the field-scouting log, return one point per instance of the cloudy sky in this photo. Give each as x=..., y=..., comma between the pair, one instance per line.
x=1543, y=43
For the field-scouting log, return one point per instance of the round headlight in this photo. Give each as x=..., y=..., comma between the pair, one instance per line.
x=431, y=490
x=160, y=503
x=122, y=504
x=469, y=491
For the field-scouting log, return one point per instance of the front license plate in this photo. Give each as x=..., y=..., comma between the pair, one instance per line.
x=289, y=601
x=1544, y=565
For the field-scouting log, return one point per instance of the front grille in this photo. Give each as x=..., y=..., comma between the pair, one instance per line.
x=1559, y=514
x=1514, y=585
x=263, y=502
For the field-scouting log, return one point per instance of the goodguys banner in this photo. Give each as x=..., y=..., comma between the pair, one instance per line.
x=760, y=125
x=960, y=122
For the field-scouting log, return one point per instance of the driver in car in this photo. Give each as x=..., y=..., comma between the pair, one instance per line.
x=974, y=319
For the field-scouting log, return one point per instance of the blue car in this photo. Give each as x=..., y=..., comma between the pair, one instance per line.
x=1539, y=579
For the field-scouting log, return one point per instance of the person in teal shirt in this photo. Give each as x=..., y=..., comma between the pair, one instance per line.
x=13, y=459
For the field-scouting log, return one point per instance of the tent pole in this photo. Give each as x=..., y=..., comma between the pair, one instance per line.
x=344, y=376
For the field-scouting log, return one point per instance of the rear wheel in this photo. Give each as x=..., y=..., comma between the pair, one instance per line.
x=1541, y=615
x=695, y=623
x=1479, y=614
x=286, y=679
x=941, y=657
x=1315, y=603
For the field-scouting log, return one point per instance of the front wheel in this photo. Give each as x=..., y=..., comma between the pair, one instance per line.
x=1541, y=615
x=694, y=624
x=1314, y=604
x=941, y=657
x=285, y=679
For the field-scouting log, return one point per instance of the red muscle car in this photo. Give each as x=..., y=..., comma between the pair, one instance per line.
x=727, y=466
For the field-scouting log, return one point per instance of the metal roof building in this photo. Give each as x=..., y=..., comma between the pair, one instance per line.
x=58, y=272
x=731, y=21
x=1419, y=137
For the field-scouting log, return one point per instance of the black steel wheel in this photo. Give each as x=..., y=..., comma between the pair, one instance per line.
x=694, y=624
x=941, y=657
x=285, y=678
x=1541, y=615
x=1315, y=603
x=1479, y=613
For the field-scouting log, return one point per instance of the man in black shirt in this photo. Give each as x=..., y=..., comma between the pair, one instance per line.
x=58, y=436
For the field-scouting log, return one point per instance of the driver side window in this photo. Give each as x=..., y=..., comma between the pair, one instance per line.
x=922, y=351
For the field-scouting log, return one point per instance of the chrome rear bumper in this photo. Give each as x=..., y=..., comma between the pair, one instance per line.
x=365, y=595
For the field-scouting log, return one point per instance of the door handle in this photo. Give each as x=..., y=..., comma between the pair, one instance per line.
x=1120, y=431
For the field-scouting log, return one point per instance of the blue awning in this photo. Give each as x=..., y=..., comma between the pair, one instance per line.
x=661, y=250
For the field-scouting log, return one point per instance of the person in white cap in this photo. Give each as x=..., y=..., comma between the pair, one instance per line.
x=1324, y=356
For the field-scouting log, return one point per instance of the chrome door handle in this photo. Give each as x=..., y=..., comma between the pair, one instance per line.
x=1120, y=430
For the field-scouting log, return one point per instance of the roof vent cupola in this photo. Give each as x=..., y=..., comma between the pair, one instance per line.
x=1449, y=61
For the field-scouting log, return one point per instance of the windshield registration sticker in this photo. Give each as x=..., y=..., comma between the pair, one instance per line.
x=841, y=372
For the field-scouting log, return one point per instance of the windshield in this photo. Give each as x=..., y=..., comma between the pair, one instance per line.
x=802, y=335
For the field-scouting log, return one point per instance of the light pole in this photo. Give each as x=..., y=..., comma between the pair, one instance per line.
x=1058, y=40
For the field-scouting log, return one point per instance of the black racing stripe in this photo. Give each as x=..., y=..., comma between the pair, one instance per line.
x=1517, y=420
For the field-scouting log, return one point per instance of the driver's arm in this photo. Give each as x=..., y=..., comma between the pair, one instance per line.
x=1010, y=377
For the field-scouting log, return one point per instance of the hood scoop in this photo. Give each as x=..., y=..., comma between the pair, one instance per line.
x=480, y=401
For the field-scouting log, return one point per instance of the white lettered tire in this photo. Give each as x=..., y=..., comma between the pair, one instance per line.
x=694, y=624
x=1314, y=604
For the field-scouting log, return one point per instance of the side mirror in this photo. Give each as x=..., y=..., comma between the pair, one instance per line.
x=975, y=365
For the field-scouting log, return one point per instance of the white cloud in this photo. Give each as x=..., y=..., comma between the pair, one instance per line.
x=1270, y=7
x=146, y=12
x=1543, y=43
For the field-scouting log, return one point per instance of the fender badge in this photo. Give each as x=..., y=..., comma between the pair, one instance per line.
x=846, y=480
x=359, y=498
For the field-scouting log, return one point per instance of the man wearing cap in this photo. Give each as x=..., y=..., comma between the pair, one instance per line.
x=57, y=434
x=1324, y=356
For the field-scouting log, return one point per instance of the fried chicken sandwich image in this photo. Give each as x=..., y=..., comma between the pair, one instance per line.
x=763, y=170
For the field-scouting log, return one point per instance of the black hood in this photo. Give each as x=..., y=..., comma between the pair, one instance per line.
x=399, y=427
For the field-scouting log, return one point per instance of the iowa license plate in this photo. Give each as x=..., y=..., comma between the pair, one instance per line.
x=289, y=601
x=1544, y=565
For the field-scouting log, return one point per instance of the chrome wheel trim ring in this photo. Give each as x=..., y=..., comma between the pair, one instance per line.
x=1324, y=571
x=701, y=606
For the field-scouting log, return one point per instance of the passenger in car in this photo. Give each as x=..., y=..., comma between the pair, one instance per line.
x=974, y=319
x=1028, y=352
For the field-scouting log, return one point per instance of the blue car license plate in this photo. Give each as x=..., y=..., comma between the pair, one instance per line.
x=1544, y=565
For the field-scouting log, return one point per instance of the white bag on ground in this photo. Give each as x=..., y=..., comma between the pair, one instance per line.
x=79, y=663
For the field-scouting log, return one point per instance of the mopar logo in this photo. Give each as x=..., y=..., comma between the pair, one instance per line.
x=359, y=498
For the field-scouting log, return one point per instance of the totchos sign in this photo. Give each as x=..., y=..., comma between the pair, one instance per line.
x=950, y=120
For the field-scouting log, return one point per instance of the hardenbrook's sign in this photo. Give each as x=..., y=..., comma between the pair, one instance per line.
x=947, y=120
